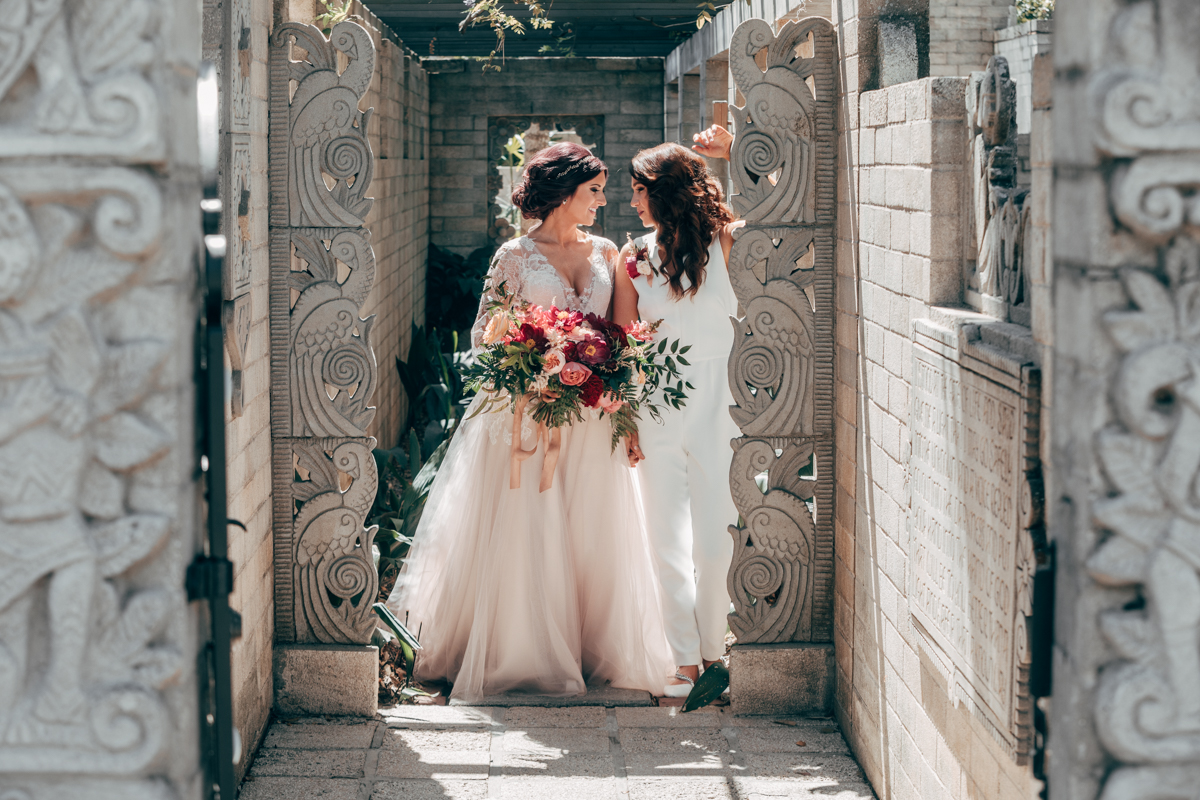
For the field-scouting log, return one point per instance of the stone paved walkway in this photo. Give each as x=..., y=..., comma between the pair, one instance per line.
x=580, y=753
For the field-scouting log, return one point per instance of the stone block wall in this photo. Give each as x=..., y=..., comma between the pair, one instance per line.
x=898, y=261
x=627, y=91
x=961, y=34
x=399, y=219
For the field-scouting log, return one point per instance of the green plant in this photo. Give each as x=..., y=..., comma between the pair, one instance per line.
x=433, y=382
x=453, y=286
x=1034, y=9
x=334, y=13
x=492, y=14
x=404, y=483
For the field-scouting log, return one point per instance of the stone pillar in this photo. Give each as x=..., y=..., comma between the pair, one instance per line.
x=99, y=235
x=781, y=368
x=689, y=108
x=714, y=88
x=323, y=369
x=670, y=111
x=1125, y=719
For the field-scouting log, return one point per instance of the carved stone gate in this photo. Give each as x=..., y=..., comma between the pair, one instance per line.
x=781, y=368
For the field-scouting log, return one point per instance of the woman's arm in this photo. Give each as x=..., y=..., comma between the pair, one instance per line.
x=727, y=238
x=625, y=295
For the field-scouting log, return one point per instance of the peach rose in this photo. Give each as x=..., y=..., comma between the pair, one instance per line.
x=574, y=374
x=496, y=329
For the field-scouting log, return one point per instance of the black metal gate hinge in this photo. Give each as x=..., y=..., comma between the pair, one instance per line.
x=209, y=577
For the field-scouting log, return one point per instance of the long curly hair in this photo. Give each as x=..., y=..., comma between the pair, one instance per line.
x=689, y=207
x=552, y=176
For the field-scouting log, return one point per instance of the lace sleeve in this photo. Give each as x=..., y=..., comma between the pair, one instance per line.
x=611, y=254
x=506, y=269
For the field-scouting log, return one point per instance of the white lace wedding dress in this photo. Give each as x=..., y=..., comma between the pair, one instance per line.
x=516, y=589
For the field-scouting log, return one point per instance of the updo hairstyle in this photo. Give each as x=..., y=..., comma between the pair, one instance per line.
x=552, y=176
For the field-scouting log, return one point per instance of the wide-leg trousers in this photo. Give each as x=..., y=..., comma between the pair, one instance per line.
x=689, y=508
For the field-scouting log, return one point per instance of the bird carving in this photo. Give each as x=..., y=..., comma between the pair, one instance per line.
x=333, y=560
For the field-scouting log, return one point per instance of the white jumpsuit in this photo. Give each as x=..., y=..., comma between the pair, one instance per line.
x=685, y=477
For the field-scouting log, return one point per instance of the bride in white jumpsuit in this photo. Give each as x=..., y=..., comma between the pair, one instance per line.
x=685, y=473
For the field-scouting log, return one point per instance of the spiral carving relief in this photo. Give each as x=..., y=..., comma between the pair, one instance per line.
x=324, y=368
x=783, y=161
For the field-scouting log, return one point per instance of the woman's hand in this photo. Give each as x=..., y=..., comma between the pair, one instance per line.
x=715, y=142
x=633, y=450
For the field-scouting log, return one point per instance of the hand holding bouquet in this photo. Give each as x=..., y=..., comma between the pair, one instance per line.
x=560, y=362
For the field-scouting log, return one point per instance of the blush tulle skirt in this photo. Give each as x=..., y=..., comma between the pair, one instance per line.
x=520, y=590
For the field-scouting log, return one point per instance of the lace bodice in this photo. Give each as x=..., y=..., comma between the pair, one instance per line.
x=531, y=277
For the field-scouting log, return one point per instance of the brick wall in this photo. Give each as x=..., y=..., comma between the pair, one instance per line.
x=399, y=220
x=627, y=91
x=1020, y=44
x=899, y=260
x=248, y=437
x=961, y=32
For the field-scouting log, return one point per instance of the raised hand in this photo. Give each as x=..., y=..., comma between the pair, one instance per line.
x=714, y=142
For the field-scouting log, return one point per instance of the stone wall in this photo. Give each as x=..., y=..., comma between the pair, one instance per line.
x=399, y=219
x=628, y=92
x=961, y=34
x=918, y=721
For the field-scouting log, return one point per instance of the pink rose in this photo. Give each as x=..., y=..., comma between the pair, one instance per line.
x=574, y=374
x=609, y=403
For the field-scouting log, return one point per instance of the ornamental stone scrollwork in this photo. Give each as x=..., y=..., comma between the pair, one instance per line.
x=780, y=370
x=772, y=574
x=335, y=578
x=1148, y=704
x=326, y=134
x=80, y=72
x=95, y=511
x=1143, y=555
x=323, y=367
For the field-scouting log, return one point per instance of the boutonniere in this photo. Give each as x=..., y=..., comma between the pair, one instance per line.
x=638, y=262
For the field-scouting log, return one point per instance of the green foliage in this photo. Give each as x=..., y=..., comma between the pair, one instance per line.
x=564, y=43
x=1034, y=9
x=334, y=13
x=492, y=14
x=433, y=382
x=453, y=285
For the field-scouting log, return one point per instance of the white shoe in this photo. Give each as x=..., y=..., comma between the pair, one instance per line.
x=679, y=689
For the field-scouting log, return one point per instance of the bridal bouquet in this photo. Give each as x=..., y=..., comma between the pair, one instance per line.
x=560, y=362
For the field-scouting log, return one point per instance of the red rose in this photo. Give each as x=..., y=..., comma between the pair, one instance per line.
x=591, y=390
x=569, y=352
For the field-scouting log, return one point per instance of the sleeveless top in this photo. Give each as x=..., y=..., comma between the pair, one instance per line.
x=701, y=320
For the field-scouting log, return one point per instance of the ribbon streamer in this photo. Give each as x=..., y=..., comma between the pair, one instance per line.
x=553, y=439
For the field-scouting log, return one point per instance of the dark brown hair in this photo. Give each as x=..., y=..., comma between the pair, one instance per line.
x=689, y=208
x=552, y=176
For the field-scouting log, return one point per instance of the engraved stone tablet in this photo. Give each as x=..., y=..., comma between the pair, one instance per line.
x=969, y=551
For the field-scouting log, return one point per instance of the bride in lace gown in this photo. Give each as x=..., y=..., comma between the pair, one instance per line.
x=516, y=589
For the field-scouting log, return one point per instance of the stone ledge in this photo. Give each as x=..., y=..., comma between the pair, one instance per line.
x=326, y=679
x=787, y=678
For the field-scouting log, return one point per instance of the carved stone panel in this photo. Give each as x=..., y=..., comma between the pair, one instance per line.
x=98, y=516
x=781, y=369
x=323, y=369
x=78, y=77
x=974, y=475
x=1128, y=435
